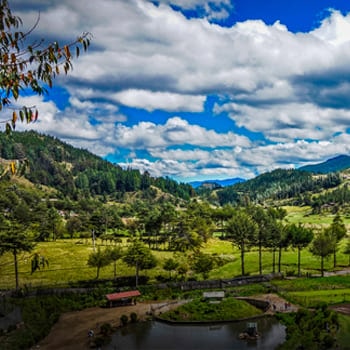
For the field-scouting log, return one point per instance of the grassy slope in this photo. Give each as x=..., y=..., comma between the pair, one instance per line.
x=68, y=262
x=198, y=310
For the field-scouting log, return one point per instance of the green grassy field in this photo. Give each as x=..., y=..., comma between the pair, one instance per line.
x=68, y=263
x=304, y=215
x=199, y=310
x=314, y=297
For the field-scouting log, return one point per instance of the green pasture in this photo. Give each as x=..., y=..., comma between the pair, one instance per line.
x=286, y=286
x=313, y=298
x=310, y=292
x=68, y=263
x=304, y=215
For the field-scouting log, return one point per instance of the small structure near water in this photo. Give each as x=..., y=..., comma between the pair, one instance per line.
x=122, y=298
x=214, y=297
x=251, y=332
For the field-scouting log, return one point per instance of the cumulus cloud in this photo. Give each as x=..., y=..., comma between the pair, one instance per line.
x=176, y=131
x=160, y=100
x=289, y=121
x=291, y=89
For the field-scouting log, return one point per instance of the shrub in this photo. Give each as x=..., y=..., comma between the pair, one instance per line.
x=100, y=341
x=328, y=341
x=124, y=320
x=133, y=317
x=106, y=328
x=290, y=273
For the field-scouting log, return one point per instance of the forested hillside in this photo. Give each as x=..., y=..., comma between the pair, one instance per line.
x=76, y=173
x=277, y=185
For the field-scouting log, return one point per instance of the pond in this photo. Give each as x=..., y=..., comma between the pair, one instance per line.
x=153, y=335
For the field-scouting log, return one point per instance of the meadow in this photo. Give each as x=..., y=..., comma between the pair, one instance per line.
x=68, y=263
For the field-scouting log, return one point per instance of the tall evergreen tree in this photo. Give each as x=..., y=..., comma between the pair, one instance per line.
x=323, y=246
x=300, y=237
x=337, y=230
x=241, y=230
x=13, y=239
x=140, y=257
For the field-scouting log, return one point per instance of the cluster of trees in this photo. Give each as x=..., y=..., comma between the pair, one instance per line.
x=253, y=226
x=140, y=257
x=311, y=329
x=164, y=227
x=137, y=255
x=246, y=227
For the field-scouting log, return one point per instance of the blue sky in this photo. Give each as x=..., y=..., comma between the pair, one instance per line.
x=196, y=89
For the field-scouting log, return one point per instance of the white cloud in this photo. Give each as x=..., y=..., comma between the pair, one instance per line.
x=334, y=29
x=176, y=131
x=160, y=100
x=289, y=121
x=292, y=89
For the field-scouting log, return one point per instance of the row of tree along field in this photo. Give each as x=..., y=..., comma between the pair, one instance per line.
x=158, y=237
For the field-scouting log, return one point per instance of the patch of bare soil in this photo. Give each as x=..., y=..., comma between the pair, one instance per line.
x=343, y=308
x=71, y=330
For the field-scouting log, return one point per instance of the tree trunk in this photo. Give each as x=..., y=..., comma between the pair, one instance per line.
x=115, y=269
x=322, y=268
x=97, y=272
x=16, y=267
x=242, y=259
x=299, y=249
x=273, y=260
x=260, y=258
x=137, y=275
x=335, y=258
x=279, y=258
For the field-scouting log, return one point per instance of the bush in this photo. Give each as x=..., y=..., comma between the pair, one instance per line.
x=106, y=328
x=101, y=341
x=162, y=279
x=133, y=317
x=124, y=320
x=328, y=341
x=290, y=273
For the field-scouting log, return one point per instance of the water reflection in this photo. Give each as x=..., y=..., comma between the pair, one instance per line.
x=159, y=336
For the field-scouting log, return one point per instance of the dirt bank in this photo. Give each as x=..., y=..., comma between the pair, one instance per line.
x=71, y=330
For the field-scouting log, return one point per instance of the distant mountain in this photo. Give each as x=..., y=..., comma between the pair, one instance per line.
x=332, y=165
x=218, y=183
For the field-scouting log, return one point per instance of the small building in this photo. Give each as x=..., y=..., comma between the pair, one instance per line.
x=122, y=298
x=252, y=329
x=214, y=297
x=251, y=332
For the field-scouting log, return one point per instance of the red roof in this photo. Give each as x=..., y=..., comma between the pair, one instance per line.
x=122, y=295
